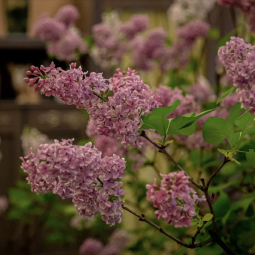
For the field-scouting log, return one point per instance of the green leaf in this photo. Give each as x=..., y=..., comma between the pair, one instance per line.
x=245, y=120
x=222, y=205
x=234, y=139
x=216, y=130
x=177, y=125
x=225, y=94
x=222, y=151
x=221, y=187
x=234, y=113
x=188, y=130
x=248, y=131
x=157, y=118
x=207, y=217
x=194, y=221
x=200, y=223
x=214, y=33
x=250, y=156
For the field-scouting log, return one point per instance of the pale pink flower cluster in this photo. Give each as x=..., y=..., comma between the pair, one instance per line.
x=183, y=11
x=194, y=141
x=112, y=38
x=33, y=138
x=168, y=96
x=239, y=60
x=174, y=199
x=178, y=55
x=202, y=91
x=80, y=173
x=4, y=203
x=230, y=100
x=62, y=37
x=118, y=241
x=118, y=116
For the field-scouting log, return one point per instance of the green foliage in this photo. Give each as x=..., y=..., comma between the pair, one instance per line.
x=225, y=94
x=222, y=205
x=207, y=217
x=157, y=118
x=216, y=130
x=251, y=158
x=214, y=33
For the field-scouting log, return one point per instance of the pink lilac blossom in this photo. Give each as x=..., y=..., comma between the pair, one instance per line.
x=91, y=247
x=230, y=100
x=78, y=172
x=194, y=141
x=202, y=91
x=239, y=60
x=146, y=51
x=119, y=238
x=48, y=29
x=3, y=204
x=174, y=199
x=168, y=96
x=110, y=250
x=69, y=46
x=183, y=11
x=67, y=15
x=135, y=25
x=193, y=30
x=33, y=138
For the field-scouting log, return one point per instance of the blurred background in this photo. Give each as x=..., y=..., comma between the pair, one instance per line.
x=45, y=224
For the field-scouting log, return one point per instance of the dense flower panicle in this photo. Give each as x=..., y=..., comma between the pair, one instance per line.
x=91, y=246
x=69, y=46
x=193, y=30
x=194, y=141
x=230, y=100
x=135, y=25
x=48, y=29
x=67, y=15
x=120, y=117
x=168, y=96
x=183, y=11
x=239, y=60
x=174, y=199
x=202, y=91
x=4, y=203
x=33, y=138
x=78, y=172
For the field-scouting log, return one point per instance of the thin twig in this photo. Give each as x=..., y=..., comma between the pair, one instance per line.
x=226, y=160
x=143, y=218
x=198, y=231
x=163, y=151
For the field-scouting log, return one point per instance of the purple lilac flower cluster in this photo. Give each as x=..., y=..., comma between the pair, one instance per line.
x=118, y=116
x=78, y=172
x=112, y=38
x=168, y=96
x=174, y=199
x=239, y=60
x=178, y=56
x=63, y=38
x=246, y=6
x=118, y=241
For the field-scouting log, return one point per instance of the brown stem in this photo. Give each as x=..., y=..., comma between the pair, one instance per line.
x=198, y=231
x=226, y=160
x=163, y=151
x=143, y=218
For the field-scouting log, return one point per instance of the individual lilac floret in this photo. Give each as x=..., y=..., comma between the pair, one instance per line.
x=239, y=60
x=193, y=30
x=168, y=96
x=135, y=25
x=48, y=29
x=91, y=247
x=67, y=15
x=174, y=199
x=78, y=172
